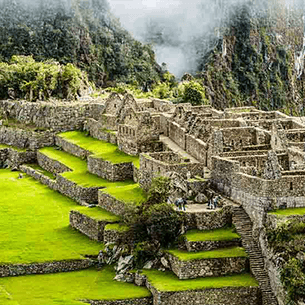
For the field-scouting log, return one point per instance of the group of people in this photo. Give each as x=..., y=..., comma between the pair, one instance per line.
x=213, y=202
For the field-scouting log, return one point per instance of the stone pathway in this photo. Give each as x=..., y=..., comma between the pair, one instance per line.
x=176, y=148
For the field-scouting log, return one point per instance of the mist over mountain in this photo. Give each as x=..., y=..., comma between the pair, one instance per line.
x=183, y=32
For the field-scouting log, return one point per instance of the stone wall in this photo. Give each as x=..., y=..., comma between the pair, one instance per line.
x=111, y=204
x=66, y=187
x=108, y=170
x=195, y=246
x=76, y=192
x=196, y=148
x=46, y=267
x=209, y=220
x=71, y=148
x=141, y=301
x=59, y=116
x=113, y=236
x=151, y=167
x=26, y=138
x=96, y=130
x=177, y=134
x=228, y=295
x=51, y=165
x=207, y=267
x=16, y=158
x=91, y=227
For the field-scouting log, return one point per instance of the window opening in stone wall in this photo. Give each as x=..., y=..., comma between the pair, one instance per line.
x=291, y=186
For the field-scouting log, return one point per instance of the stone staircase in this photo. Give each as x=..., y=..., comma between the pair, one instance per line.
x=243, y=226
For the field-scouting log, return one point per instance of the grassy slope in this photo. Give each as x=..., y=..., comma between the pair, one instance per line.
x=66, y=288
x=167, y=281
x=289, y=212
x=34, y=223
x=211, y=235
x=218, y=253
x=101, y=149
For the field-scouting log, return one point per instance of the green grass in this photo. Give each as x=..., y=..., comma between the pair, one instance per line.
x=218, y=253
x=34, y=223
x=79, y=173
x=101, y=149
x=41, y=170
x=167, y=281
x=211, y=235
x=67, y=288
x=116, y=227
x=2, y=146
x=129, y=193
x=289, y=212
x=98, y=214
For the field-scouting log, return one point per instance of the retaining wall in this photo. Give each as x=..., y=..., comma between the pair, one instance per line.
x=25, y=138
x=71, y=148
x=59, y=116
x=223, y=296
x=194, y=246
x=207, y=267
x=209, y=220
x=111, y=204
x=47, y=267
x=92, y=228
x=97, y=130
x=108, y=170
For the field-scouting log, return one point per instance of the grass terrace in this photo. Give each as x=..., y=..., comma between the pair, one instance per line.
x=116, y=227
x=79, y=173
x=34, y=223
x=289, y=212
x=67, y=288
x=168, y=281
x=211, y=235
x=101, y=149
x=218, y=253
x=132, y=193
x=97, y=213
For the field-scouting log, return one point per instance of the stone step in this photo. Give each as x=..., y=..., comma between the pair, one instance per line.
x=243, y=226
x=187, y=265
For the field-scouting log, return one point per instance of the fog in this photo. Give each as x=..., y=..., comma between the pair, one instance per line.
x=177, y=27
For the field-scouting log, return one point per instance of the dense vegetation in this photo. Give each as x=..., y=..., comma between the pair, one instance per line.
x=287, y=241
x=83, y=33
x=23, y=77
x=254, y=65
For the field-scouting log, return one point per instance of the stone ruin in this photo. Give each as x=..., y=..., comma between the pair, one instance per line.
x=254, y=158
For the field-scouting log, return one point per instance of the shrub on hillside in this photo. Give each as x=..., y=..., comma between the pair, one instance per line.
x=23, y=77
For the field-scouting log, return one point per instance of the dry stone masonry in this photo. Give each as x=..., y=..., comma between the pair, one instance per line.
x=255, y=159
